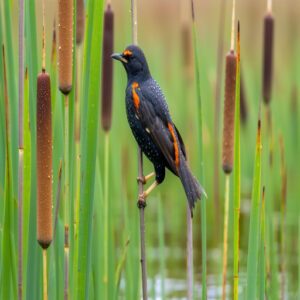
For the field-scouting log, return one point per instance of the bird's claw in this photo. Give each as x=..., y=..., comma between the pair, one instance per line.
x=141, y=179
x=142, y=201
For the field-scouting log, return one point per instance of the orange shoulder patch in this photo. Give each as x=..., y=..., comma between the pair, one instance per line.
x=135, y=96
x=176, y=148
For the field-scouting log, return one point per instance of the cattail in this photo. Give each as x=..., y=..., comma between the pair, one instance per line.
x=187, y=52
x=80, y=21
x=65, y=46
x=229, y=108
x=243, y=103
x=107, y=68
x=44, y=161
x=268, y=57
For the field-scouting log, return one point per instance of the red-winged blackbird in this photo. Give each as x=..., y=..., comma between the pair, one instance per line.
x=150, y=121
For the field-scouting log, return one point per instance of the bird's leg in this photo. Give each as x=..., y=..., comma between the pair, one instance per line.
x=144, y=179
x=145, y=194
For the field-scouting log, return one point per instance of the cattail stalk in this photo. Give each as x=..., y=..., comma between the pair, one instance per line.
x=44, y=160
x=21, y=148
x=229, y=104
x=106, y=216
x=80, y=21
x=228, y=137
x=78, y=168
x=45, y=280
x=268, y=54
x=65, y=56
x=217, y=110
x=67, y=200
x=237, y=175
x=225, y=236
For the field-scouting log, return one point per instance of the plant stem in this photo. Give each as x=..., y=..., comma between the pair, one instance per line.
x=225, y=242
x=67, y=202
x=269, y=6
x=232, y=25
x=58, y=197
x=217, y=111
x=106, y=211
x=21, y=147
x=134, y=21
x=201, y=160
x=78, y=164
x=140, y=171
x=189, y=248
x=45, y=281
x=262, y=261
x=237, y=179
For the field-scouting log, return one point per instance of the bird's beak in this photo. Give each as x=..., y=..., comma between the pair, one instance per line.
x=120, y=57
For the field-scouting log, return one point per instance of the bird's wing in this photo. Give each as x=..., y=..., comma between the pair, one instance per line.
x=154, y=94
x=163, y=132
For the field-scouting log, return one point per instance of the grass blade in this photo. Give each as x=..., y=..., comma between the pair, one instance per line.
x=254, y=221
x=200, y=146
x=89, y=153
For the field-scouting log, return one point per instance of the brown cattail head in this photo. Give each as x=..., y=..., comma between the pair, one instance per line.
x=65, y=46
x=107, y=68
x=268, y=57
x=229, y=109
x=80, y=21
x=187, y=53
x=44, y=161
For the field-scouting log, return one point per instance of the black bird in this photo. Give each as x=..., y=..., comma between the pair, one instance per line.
x=151, y=124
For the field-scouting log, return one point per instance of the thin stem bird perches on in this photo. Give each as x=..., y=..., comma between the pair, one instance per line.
x=141, y=202
x=21, y=148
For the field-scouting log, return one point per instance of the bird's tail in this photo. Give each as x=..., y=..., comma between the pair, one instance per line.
x=192, y=187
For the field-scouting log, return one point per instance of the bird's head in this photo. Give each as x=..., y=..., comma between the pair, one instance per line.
x=134, y=62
